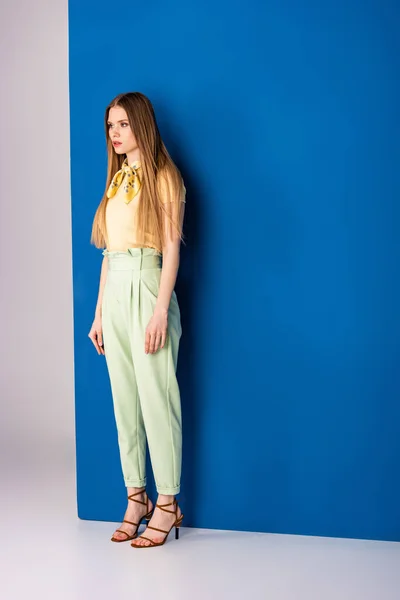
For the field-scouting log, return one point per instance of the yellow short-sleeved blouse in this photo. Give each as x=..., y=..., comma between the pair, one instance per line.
x=121, y=232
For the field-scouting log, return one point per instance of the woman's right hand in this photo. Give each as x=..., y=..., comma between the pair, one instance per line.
x=96, y=334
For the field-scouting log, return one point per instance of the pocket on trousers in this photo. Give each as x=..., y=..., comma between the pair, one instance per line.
x=152, y=285
x=112, y=289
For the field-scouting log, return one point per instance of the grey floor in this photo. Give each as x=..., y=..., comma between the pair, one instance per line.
x=47, y=552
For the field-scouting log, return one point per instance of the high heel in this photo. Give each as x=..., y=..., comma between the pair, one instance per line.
x=177, y=524
x=147, y=517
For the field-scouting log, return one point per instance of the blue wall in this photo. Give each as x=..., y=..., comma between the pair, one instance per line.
x=284, y=119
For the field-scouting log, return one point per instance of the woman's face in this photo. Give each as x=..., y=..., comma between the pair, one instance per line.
x=121, y=134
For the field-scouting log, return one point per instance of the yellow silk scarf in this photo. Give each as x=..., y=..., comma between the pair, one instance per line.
x=128, y=176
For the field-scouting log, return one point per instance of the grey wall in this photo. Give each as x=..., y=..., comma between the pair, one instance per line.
x=36, y=385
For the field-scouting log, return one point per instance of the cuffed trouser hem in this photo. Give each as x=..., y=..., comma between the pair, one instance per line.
x=135, y=483
x=169, y=491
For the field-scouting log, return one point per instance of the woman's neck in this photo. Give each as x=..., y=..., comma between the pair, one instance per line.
x=133, y=156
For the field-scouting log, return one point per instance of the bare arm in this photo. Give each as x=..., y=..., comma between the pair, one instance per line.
x=157, y=328
x=96, y=331
x=103, y=276
x=171, y=260
x=169, y=272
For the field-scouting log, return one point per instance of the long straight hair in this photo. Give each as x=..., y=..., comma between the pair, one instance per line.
x=160, y=208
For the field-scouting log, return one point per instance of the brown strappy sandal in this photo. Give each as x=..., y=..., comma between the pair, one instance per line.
x=146, y=516
x=177, y=524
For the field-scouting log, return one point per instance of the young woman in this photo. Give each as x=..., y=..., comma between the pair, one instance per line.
x=137, y=325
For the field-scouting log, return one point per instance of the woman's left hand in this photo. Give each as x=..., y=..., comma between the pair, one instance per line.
x=156, y=331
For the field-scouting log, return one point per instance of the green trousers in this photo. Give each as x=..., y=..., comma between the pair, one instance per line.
x=144, y=387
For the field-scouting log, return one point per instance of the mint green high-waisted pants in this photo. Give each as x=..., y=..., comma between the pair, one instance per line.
x=144, y=387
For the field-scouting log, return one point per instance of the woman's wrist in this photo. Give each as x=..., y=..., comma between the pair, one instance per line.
x=161, y=308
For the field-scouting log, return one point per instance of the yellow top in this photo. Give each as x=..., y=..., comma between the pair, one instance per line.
x=121, y=215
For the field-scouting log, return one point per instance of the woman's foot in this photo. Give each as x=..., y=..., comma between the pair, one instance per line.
x=135, y=512
x=160, y=519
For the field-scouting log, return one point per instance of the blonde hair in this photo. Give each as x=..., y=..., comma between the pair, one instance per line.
x=160, y=209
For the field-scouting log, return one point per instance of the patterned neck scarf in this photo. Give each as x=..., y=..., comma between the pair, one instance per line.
x=128, y=176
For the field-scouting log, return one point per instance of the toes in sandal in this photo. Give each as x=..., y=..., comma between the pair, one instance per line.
x=147, y=516
x=177, y=524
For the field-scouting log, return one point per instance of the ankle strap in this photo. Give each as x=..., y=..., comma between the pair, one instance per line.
x=174, y=502
x=131, y=497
